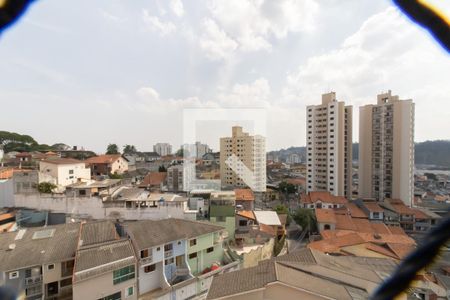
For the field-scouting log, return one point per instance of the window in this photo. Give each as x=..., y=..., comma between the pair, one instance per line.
x=129, y=291
x=70, y=171
x=193, y=255
x=242, y=222
x=50, y=267
x=82, y=192
x=66, y=282
x=150, y=268
x=169, y=261
x=144, y=253
x=36, y=290
x=115, y=296
x=179, y=243
x=123, y=274
x=168, y=247
x=193, y=242
x=210, y=249
x=14, y=275
x=158, y=249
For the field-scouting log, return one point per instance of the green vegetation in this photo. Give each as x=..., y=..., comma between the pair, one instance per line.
x=287, y=188
x=46, y=187
x=162, y=169
x=129, y=149
x=115, y=176
x=306, y=219
x=283, y=210
x=112, y=149
x=12, y=141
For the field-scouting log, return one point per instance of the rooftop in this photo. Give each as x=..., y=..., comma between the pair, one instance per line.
x=103, y=159
x=62, y=161
x=37, y=246
x=97, y=232
x=267, y=217
x=150, y=233
x=99, y=259
x=324, y=197
x=153, y=178
x=244, y=195
x=311, y=271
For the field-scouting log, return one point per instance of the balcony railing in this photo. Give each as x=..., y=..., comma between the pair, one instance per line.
x=146, y=260
x=33, y=280
x=168, y=253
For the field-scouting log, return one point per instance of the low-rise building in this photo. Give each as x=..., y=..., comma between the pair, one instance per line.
x=175, y=178
x=107, y=164
x=322, y=200
x=66, y=171
x=245, y=199
x=171, y=251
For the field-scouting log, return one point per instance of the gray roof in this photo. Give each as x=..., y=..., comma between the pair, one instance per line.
x=103, y=258
x=97, y=232
x=94, y=184
x=150, y=233
x=38, y=246
x=310, y=270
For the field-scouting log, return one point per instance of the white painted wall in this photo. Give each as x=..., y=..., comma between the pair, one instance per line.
x=62, y=172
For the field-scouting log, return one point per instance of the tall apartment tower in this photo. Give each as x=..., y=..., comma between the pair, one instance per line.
x=386, y=149
x=250, y=164
x=329, y=147
x=163, y=149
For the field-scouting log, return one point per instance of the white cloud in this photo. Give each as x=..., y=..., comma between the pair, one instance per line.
x=215, y=42
x=157, y=25
x=255, y=95
x=387, y=52
x=177, y=7
x=252, y=23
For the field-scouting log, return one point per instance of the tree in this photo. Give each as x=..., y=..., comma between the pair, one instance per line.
x=306, y=219
x=287, y=188
x=112, y=149
x=115, y=176
x=283, y=210
x=431, y=176
x=162, y=169
x=129, y=149
x=46, y=187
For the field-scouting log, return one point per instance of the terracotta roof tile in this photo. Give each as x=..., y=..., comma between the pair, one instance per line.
x=344, y=222
x=325, y=215
x=103, y=159
x=396, y=230
x=153, y=178
x=325, y=197
x=63, y=161
x=244, y=195
x=373, y=207
x=382, y=250
x=355, y=211
x=380, y=228
x=401, y=250
x=246, y=214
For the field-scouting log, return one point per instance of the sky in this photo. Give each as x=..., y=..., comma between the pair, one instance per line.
x=90, y=73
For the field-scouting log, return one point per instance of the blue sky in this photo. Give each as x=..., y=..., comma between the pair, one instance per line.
x=88, y=73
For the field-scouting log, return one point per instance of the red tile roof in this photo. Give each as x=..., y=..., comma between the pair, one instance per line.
x=103, y=159
x=153, y=178
x=324, y=197
x=355, y=211
x=244, y=195
x=373, y=207
x=396, y=230
x=325, y=215
x=419, y=214
x=382, y=250
x=246, y=214
x=380, y=228
x=344, y=222
x=401, y=250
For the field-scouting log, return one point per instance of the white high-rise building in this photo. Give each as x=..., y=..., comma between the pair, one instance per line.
x=249, y=167
x=386, y=149
x=163, y=149
x=329, y=146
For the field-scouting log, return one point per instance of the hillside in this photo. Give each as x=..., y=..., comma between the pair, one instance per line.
x=426, y=153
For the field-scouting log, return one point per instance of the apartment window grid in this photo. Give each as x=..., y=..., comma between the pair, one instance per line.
x=123, y=274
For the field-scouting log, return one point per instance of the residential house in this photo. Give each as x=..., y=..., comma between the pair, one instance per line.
x=171, y=251
x=371, y=209
x=107, y=164
x=397, y=213
x=147, y=156
x=37, y=263
x=26, y=181
x=424, y=220
x=322, y=200
x=222, y=207
x=105, y=265
x=93, y=188
x=66, y=171
x=211, y=159
x=304, y=274
x=154, y=181
x=245, y=199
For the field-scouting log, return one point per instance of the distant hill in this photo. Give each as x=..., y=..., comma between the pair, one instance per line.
x=426, y=153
